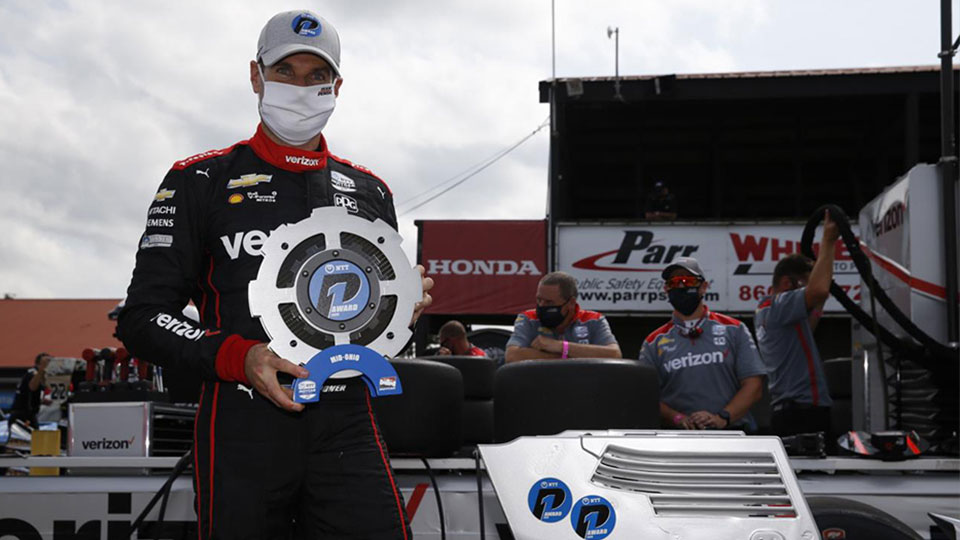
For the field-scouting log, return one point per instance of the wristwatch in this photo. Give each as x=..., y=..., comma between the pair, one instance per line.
x=725, y=414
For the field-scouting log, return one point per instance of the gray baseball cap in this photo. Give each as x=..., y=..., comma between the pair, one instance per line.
x=293, y=32
x=687, y=263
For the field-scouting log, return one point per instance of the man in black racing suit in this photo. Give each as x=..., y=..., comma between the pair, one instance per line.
x=264, y=467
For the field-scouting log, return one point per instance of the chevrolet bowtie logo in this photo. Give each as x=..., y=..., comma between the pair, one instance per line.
x=248, y=180
x=164, y=194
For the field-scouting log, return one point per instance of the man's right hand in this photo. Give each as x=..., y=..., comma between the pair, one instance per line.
x=831, y=232
x=684, y=422
x=261, y=366
x=443, y=351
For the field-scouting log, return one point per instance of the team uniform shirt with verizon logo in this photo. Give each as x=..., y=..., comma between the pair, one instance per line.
x=588, y=327
x=703, y=373
x=789, y=351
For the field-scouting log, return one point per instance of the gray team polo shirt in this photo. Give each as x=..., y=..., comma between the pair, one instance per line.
x=588, y=327
x=703, y=373
x=787, y=347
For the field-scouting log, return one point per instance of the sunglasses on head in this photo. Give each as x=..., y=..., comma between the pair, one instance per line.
x=677, y=282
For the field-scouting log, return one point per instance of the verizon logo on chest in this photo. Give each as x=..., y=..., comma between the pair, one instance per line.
x=249, y=242
x=693, y=360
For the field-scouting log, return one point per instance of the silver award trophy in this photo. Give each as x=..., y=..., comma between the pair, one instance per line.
x=335, y=293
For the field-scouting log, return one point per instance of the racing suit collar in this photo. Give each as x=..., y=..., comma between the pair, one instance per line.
x=286, y=157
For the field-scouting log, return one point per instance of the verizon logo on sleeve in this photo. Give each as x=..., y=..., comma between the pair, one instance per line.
x=178, y=327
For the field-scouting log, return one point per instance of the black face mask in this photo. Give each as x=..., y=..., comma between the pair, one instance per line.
x=550, y=316
x=685, y=300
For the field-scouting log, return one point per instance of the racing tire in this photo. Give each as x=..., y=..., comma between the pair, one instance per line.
x=478, y=421
x=477, y=372
x=843, y=519
x=839, y=377
x=545, y=397
x=426, y=420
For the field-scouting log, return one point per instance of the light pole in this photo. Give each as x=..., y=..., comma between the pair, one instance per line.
x=614, y=32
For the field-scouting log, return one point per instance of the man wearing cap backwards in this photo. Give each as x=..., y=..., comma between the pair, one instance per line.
x=264, y=466
x=710, y=373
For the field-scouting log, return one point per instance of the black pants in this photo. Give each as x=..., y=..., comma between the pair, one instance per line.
x=265, y=473
x=793, y=418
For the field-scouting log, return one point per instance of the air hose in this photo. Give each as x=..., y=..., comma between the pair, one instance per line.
x=925, y=351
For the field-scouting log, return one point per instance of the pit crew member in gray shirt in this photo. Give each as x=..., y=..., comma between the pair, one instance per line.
x=559, y=328
x=785, y=322
x=709, y=371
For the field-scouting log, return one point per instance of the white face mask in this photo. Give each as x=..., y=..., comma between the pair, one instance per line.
x=296, y=114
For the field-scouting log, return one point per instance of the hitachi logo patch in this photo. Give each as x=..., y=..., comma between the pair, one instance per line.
x=248, y=180
x=301, y=160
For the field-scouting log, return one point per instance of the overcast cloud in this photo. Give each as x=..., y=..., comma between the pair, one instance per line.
x=100, y=98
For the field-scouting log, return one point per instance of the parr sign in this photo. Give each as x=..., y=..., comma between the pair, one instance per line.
x=618, y=267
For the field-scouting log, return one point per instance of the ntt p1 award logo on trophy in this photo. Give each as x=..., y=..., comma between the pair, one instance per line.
x=335, y=293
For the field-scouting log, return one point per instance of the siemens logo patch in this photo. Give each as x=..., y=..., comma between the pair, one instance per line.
x=164, y=223
x=107, y=444
x=692, y=359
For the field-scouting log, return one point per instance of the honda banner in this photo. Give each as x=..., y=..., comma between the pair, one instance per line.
x=483, y=267
x=618, y=267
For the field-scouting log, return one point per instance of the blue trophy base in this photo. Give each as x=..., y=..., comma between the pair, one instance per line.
x=377, y=373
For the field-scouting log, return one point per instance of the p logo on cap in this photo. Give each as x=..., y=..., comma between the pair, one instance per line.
x=306, y=25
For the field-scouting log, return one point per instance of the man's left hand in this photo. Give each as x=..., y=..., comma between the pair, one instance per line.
x=708, y=420
x=546, y=344
x=426, y=300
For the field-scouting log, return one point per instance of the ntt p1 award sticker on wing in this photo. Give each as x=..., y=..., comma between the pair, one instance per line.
x=593, y=517
x=335, y=293
x=549, y=500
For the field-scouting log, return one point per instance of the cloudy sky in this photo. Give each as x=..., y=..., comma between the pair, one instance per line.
x=99, y=98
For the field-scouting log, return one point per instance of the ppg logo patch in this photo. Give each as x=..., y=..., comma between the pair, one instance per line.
x=306, y=389
x=339, y=290
x=593, y=517
x=306, y=25
x=549, y=500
